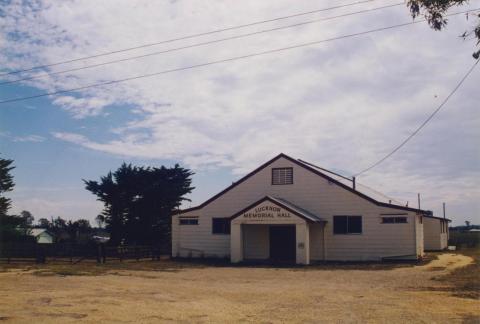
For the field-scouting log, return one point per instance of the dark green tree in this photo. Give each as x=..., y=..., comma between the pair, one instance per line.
x=44, y=223
x=435, y=11
x=138, y=202
x=12, y=228
x=79, y=231
x=27, y=218
x=6, y=184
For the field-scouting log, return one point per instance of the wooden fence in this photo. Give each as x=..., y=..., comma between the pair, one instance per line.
x=464, y=239
x=41, y=253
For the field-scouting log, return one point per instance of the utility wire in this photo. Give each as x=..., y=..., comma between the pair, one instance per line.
x=190, y=36
x=236, y=58
x=424, y=123
x=201, y=44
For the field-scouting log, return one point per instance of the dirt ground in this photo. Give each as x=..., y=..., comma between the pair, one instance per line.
x=169, y=291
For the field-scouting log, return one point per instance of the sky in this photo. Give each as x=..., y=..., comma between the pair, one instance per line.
x=342, y=104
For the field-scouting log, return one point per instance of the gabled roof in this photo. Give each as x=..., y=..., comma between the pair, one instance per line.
x=300, y=212
x=37, y=231
x=326, y=175
x=378, y=196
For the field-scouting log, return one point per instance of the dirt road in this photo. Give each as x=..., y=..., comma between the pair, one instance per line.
x=201, y=294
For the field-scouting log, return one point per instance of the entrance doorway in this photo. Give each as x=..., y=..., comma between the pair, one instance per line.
x=282, y=243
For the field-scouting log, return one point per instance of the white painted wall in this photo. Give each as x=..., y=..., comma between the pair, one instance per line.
x=256, y=242
x=44, y=238
x=316, y=242
x=435, y=240
x=314, y=194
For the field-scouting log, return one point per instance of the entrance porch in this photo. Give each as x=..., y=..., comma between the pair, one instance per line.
x=276, y=230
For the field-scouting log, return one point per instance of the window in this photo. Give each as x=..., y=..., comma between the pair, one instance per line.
x=220, y=225
x=388, y=220
x=188, y=221
x=394, y=220
x=347, y=224
x=282, y=176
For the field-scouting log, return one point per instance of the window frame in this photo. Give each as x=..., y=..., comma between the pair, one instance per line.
x=226, y=225
x=281, y=184
x=186, y=221
x=347, y=225
x=395, y=219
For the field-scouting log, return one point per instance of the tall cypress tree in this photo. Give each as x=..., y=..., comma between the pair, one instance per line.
x=6, y=184
x=138, y=202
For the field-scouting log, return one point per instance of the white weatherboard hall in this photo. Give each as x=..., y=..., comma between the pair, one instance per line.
x=289, y=210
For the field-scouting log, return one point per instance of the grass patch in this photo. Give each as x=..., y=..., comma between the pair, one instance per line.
x=465, y=281
x=115, y=267
x=91, y=268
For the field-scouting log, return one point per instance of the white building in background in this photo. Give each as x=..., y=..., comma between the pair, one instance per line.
x=435, y=232
x=290, y=210
x=42, y=235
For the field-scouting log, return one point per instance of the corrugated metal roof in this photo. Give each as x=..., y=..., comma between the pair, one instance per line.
x=38, y=231
x=305, y=213
x=370, y=192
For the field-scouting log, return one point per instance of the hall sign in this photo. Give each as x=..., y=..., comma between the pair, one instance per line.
x=267, y=212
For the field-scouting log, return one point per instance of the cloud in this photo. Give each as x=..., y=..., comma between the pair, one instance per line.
x=26, y=138
x=45, y=202
x=342, y=104
x=83, y=107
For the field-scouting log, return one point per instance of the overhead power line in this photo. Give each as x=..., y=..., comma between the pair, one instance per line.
x=201, y=44
x=190, y=36
x=236, y=58
x=424, y=123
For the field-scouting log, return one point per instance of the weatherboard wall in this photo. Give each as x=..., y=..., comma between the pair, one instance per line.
x=435, y=239
x=256, y=242
x=313, y=193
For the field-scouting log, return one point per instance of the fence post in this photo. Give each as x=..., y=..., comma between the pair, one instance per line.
x=104, y=253
x=40, y=254
x=99, y=253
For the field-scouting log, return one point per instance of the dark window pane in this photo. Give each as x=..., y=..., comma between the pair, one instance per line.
x=188, y=221
x=388, y=220
x=340, y=224
x=355, y=224
x=400, y=219
x=220, y=225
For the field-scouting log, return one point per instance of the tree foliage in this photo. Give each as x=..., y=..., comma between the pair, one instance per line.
x=6, y=184
x=138, y=202
x=78, y=231
x=27, y=218
x=435, y=11
x=13, y=229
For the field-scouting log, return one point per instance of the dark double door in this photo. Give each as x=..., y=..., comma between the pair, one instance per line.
x=282, y=243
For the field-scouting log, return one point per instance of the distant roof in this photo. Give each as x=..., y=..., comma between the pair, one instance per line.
x=38, y=231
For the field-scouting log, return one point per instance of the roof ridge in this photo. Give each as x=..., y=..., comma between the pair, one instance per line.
x=311, y=169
